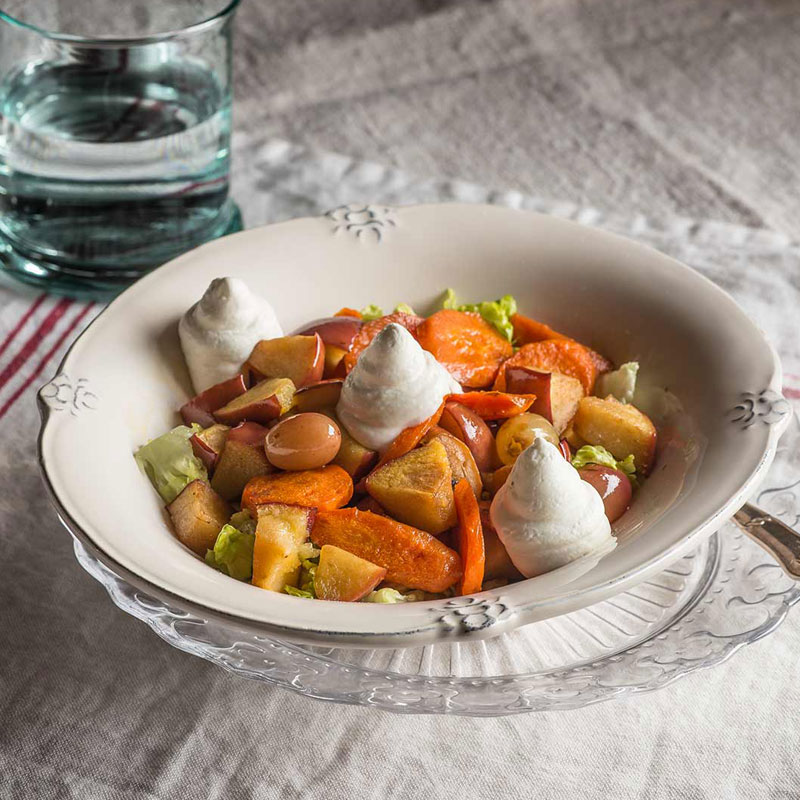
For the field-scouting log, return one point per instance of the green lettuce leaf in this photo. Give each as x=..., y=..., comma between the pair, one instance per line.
x=295, y=592
x=308, y=571
x=385, y=595
x=233, y=553
x=371, y=312
x=243, y=522
x=595, y=454
x=496, y=312
x=621, y=383
x=169, y=463
x=389, y=594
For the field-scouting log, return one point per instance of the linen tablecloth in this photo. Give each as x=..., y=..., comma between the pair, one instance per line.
x=94, y=705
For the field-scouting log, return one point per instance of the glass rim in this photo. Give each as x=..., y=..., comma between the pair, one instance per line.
x=111, y=41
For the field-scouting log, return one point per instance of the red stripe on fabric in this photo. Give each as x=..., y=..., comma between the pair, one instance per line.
x=43, y=363
x=29, y=348
x=22, y=320
x=790, y=392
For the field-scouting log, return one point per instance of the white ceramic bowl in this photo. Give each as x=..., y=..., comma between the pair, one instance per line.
x=124, y=378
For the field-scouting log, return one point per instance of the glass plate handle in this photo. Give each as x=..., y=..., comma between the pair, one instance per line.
x=776, y=537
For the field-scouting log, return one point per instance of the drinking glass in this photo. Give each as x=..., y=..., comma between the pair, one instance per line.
x=115, y=123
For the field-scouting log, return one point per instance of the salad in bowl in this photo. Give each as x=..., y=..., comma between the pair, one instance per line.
x=394, y=457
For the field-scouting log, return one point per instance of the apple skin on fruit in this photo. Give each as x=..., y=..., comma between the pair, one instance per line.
x=299, y=358
x=198, y=514
x=201, y=407
x=466, y=425
x=266, y=401
x=208, y=444
x=280, y=531
x=242, y=458
x=557, y=395
x=344, y=576
x=318, y=396
x=612, y=485
x=336, y=332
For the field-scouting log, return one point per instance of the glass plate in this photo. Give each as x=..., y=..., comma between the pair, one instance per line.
x=697, y=613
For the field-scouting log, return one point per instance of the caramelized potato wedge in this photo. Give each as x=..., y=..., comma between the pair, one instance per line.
x=462, y=462
x=242, y=458
x=198, y=513
x=619, y=427
x=417, y=488
x=280, y=531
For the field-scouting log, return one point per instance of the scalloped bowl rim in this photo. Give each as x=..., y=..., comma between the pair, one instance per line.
x=479, y=616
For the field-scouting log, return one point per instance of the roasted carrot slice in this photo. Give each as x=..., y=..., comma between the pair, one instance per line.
x=470, y=538
x=468, y=346
x=323, y=488
x=554, y=355
x=409, y=438
x=527, y=330
x=494, y=405
x=369, y=330
x=410, y=556
x=348, y=312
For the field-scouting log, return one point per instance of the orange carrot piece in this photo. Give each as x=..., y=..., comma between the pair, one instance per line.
x=468, y=346
x=554, y=355
x=409, y=438
x=347, y=312
x=369, y=330
x=527, y=330
x=470, y=538
x=494, y=405
x=411, y=557
x=322, y=488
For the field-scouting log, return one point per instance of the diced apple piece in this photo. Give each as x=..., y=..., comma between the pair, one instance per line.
x=410, y=556
x=208, y=444
x=198, y=514
x=417, y=488
x=353, y=457
x=557, y=395
x=467, y=426
x=242, y=458
x=619, y=427
x=264, y=402
x=334, y=362
x=318, y=396
x=336, y=332
x=462, y=462
x=200, y=408
x=498, y=564
x=280, y=531
x=345, y=576
x=299, y=358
